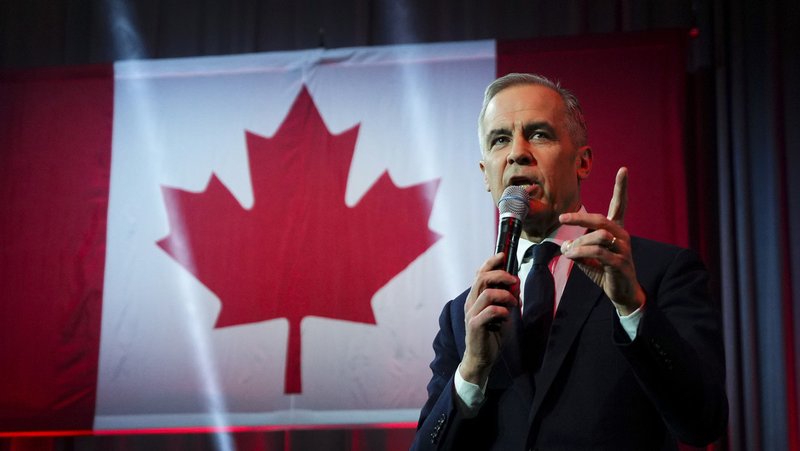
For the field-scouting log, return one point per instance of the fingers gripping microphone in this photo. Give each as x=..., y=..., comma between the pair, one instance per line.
x=513, y=208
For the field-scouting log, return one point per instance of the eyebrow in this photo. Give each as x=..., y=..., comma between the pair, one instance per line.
x=527, y=129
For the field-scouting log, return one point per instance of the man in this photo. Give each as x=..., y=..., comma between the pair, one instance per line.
x=633, y=357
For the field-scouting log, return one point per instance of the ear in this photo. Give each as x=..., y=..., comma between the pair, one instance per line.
x=485, y=178
x=583, y=162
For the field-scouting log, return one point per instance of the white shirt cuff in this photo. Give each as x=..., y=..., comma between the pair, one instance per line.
x=469, y=396
x=630, y=323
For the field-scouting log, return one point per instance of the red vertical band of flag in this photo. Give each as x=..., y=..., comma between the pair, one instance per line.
x=55, y=149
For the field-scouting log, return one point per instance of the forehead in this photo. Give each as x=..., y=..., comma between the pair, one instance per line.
x=524, y=103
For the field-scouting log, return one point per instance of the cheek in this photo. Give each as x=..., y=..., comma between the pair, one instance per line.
x=560, y=182
x=492, y=172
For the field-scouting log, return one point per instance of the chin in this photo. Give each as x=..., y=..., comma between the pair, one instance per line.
x=539, y=209
x=542, y=217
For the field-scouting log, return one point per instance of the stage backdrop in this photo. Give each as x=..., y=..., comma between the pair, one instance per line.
x=268, y=239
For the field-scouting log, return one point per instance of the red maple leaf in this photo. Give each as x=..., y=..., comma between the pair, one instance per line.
x=300, y=250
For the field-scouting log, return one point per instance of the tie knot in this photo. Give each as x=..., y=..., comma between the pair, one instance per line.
x=543, y=252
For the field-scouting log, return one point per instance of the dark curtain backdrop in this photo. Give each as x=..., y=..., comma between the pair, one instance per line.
x=742, y=144
x=757, y=122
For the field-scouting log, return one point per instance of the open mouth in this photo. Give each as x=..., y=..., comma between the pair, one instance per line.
x=532, y=187
x=520, y=181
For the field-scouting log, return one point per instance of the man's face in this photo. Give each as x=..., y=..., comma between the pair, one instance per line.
x=526, y=142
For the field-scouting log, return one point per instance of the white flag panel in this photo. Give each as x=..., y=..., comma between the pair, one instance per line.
x=177, y=122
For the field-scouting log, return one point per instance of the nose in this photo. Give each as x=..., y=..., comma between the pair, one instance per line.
x=520, y=152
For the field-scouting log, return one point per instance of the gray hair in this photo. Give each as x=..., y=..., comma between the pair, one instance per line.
x=576, y=125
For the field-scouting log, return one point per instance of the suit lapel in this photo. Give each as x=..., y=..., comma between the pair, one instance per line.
x=579, y=298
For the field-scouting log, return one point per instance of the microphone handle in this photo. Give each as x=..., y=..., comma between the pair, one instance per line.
x=507, y=240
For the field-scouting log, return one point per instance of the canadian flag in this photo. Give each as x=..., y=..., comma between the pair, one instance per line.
x=269, y=238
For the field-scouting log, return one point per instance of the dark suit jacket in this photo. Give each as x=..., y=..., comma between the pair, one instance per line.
x=596, y=388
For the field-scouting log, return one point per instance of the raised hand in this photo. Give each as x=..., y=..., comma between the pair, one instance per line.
x=604, y=253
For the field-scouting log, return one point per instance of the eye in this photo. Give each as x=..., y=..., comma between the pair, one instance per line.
x=499, y=141
x=539, y=136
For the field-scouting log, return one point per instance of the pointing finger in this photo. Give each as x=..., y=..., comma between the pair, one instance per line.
x=619, y=200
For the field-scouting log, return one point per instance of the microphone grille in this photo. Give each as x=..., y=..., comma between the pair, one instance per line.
x=514, y=202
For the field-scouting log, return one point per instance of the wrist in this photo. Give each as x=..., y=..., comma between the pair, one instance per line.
x=635, y=304
x=473, y=372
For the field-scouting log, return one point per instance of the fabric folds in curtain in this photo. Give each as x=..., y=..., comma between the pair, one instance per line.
x=758, y=143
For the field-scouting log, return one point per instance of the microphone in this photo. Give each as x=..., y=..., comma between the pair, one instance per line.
x=513, y=208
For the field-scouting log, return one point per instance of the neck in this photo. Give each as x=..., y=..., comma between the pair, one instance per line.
x=536, y=229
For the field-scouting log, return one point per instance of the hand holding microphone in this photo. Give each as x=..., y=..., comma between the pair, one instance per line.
x=492, y=296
